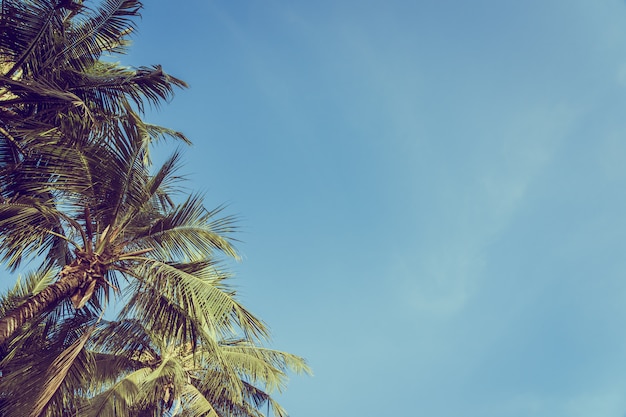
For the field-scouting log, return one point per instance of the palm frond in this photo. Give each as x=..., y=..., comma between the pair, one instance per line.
x=57, y=372
x=196, y=403
x=160, y=132
x=201, y=292
x=261, y=365
x=120, y=337
x=97, y=31
x=117, y=399
x=27, y=227
x=108, y=367
x=111, y=86
x=189, y=231
x=25, y=30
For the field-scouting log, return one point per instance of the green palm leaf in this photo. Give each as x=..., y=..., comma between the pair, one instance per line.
x=118, y=399
x=94, y=32
x=196, y=403
x=29, y=24
x=200, y=292
x=189, y=231
x=57, y=372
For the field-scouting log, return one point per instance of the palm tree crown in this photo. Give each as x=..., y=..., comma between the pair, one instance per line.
x=65, y=117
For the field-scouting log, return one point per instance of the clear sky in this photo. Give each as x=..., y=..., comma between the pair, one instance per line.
x=432, y=193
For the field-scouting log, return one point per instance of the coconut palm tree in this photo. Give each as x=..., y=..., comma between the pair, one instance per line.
x=105, y=226
x=133, y=367
x=64, y=109
x=99, y=215
x=157, y=375
x=105, y=217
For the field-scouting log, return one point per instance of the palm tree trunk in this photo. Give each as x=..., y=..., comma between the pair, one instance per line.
x=70, y=281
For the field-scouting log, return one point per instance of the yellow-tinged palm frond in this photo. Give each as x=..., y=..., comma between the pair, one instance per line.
x=29, y=226
x=195, y=403
x=115, y=401
x=187, y=232
x=200, y=292
x=261, y=371
x=56, y=373
x=260, y=365
x=116, y=385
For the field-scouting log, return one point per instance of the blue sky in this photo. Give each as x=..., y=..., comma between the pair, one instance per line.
x=432, y=193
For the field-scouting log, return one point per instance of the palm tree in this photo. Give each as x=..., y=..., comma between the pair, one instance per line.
x=63, y=108
x=99, y=215
x=157, y=375
x=106, y=221
x=106, y=224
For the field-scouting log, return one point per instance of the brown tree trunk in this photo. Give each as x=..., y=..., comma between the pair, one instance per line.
x=71, y=279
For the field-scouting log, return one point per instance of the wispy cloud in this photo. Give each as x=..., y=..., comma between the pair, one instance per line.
x=444, y=267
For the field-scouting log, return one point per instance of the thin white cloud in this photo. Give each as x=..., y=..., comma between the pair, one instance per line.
x=445, y=267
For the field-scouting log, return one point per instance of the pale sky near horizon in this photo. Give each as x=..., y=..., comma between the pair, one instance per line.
x=432, y=193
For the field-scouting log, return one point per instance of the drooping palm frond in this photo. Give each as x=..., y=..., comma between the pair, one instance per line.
x=195, y=403
x=91, y=32
x=261, y=365
x=262, y=371
x=27, y=226
x=57, y=372
x=27, y=28
x=187, y=232
x=200, y=292
x=46, y=368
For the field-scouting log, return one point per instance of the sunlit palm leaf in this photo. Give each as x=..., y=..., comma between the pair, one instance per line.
x=262, y=365
x=94, y=32
x=202, y=293
x=189, y=232
x=196, y=403
x=118, y=399
x=27, y=226
x=28, y=27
